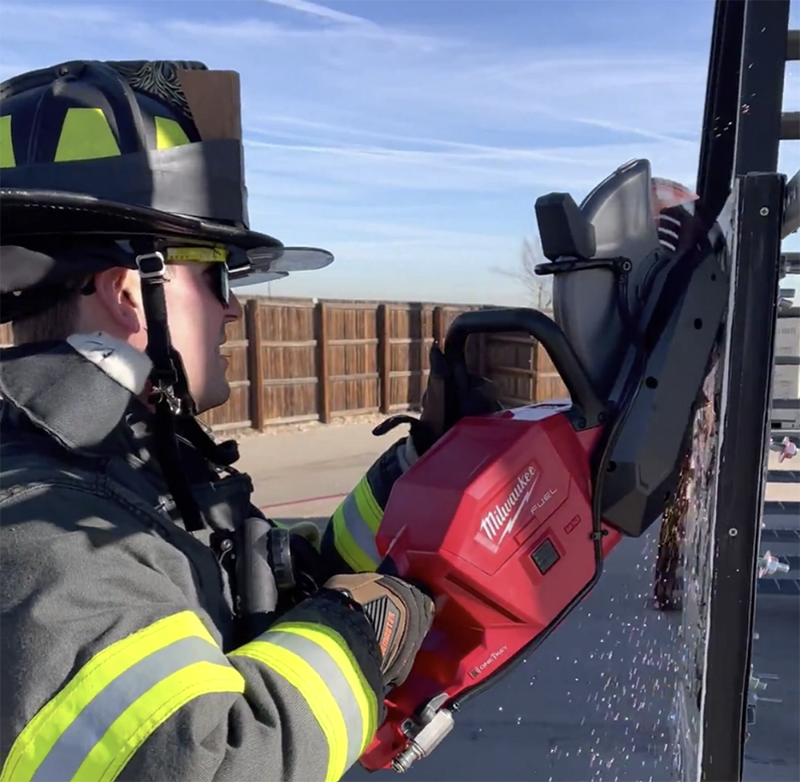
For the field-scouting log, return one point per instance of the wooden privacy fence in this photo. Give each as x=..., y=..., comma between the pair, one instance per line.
x=320, y=360
x=297, y=360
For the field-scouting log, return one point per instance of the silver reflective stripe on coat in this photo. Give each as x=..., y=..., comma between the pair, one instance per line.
x=358, y=528
x=89, y=727
x=335, y=680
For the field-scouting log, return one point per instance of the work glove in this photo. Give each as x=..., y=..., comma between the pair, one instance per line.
x=400, y=614
x=475, y=396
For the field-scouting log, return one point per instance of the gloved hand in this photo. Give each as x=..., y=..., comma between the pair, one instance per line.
x=478, y=396
x=401, y=616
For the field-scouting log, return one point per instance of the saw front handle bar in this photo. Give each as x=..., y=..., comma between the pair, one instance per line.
x=541, y=328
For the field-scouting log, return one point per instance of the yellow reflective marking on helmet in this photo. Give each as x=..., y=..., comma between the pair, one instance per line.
x=86, y=135
x=169, y=134
x=7, y=159
x=197, y=254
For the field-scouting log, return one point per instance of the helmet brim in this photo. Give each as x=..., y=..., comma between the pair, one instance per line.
x=278, y=260
x=44, y=233
x=28, y=213
x=255, y=278
x=263, y=265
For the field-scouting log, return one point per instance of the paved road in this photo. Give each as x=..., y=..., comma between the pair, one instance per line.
x=594, y=702
x=299, y=474
x=772, y=753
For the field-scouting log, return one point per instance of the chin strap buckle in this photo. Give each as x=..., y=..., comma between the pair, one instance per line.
x=152, y=267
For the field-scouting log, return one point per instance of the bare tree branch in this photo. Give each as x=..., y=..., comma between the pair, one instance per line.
x=539, y=290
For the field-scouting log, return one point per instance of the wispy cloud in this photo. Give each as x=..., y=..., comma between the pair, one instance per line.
x=454, y=171
x=321, y=12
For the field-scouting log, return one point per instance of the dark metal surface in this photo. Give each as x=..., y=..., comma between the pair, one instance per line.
x=783, y=476
x=744, y=431
x=793, y=45
x=790, y=509
x=761, y=78
x=744, y=94
x=790, y=126
x=718, y=140
x=780, y=536
x=791, y=216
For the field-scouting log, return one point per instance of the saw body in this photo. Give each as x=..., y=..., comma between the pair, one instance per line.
x=516, y=551
x=507, y=519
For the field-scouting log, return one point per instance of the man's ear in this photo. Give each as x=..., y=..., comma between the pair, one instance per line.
x=118, y=292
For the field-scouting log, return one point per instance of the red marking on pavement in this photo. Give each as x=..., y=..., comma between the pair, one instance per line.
x=302, y=502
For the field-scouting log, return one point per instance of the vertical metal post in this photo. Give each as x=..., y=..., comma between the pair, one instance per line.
x=761, y=79
x=744, y=94
x=718, y=139
x=739, y=155
x=754, y=239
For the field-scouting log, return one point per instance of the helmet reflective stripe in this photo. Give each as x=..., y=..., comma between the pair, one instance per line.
x=215, y=255
x=199, y=254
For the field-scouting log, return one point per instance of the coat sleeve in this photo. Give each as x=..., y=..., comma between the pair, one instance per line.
x=348, y=542
x=113, y=669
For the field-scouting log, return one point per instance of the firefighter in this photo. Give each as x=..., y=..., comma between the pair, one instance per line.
x=133, y=561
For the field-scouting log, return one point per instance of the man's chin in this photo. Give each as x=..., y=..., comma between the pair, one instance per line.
x=215, y=397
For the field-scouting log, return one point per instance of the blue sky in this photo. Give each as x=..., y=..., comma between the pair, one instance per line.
x=412, y=137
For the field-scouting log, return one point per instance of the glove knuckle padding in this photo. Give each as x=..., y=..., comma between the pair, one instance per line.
x=400, y=614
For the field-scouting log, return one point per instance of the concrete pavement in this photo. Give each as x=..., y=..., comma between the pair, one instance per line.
x=307, y=473
x=594, y=702
x=772, y=754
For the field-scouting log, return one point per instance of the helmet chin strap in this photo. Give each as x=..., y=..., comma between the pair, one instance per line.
x=175, y=409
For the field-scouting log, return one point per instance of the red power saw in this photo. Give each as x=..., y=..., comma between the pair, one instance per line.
x=507, y=518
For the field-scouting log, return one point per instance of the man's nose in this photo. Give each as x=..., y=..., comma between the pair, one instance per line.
x=234, y=311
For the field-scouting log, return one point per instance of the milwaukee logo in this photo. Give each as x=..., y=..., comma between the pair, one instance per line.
x=501, y=520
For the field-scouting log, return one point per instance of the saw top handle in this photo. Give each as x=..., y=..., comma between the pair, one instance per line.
x=543, y=329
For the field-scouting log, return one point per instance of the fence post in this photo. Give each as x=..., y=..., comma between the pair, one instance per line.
x=438, y=325
x=255, y=363
x=535, y=372
x=384, y=358
x=323, y=375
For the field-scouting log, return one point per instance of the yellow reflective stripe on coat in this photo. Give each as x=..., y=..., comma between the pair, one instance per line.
x=317, y=662
x=355, y=523
x=92, y=728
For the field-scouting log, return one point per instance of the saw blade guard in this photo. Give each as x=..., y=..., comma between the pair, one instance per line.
x=640, y=290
